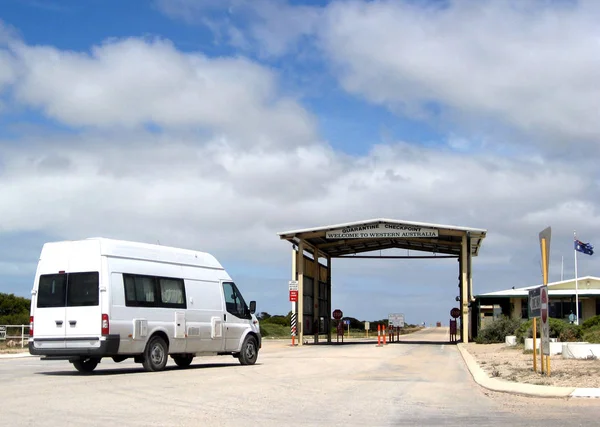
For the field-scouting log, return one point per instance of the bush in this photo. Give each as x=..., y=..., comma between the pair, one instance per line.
x=591, y=323
x=592, y=334
x=525, y=330
x=570, y=333
x=496, y=331
x=277, y=320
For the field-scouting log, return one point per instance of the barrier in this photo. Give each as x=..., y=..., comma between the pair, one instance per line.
x=6, y=336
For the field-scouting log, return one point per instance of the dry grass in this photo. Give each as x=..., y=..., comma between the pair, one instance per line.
x=512, y=364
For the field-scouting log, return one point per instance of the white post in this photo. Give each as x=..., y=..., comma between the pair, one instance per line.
x=22, y=335
x=576, y=284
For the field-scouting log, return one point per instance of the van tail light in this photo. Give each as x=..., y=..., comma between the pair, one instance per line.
x=31, y=326
x=105, y=324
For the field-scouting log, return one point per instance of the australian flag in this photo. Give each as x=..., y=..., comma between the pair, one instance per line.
x=585, y=248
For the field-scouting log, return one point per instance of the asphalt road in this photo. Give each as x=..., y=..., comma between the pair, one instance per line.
x=326, y=385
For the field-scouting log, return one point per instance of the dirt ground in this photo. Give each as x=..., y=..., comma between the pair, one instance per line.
x=511, y=364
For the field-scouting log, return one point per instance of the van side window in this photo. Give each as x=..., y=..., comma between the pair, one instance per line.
x=139, y=290
x=172, y=293
x=234, y=303
x=151, y=291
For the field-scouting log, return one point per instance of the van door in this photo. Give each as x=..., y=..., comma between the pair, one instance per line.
x=236, y=319
x=83, y=314
x=49, y=310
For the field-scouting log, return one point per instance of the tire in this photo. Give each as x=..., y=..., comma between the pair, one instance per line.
x=249, y=351
x=155, y=355
x=183, y=361
x=86, y=364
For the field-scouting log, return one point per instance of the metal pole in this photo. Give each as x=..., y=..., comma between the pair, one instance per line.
x=576, y=284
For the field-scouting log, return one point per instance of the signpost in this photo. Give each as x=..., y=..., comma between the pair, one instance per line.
x=396, y=320
x=545, y=323
x=535, y=310
x=293, y=285
x=367, y=327
x=545, y=235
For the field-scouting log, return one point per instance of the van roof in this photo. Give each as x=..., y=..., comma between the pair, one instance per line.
x=153, y=252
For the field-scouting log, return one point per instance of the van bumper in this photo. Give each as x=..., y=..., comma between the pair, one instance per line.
x=108, y=347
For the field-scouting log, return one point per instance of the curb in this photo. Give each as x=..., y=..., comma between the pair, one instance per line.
x=481, y=378
x=15, y=355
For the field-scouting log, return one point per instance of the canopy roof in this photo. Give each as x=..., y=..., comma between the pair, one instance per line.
x=339, y=240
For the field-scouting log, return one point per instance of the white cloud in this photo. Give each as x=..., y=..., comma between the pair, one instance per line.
x=271, y=28
x=134, y=82
x=531, y=65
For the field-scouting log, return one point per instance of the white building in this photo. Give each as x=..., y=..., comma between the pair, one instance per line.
x=513, y=302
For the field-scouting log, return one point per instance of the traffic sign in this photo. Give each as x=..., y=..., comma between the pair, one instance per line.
x=455, y=312
x=535, y=302
x=367, y=326
x=293, y=296
x=396, y=319
x=337, y=314
x=293, y=285
x=545, y=323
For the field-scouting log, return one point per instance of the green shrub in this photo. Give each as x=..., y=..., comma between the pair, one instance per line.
x=525, y=330
x=592, y=334
x=570, y=333
x=274, y=331
x=277, y=320
x=496, y=331
x=591, y=323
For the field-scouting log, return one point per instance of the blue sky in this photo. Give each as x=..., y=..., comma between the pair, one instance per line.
x=216, y=124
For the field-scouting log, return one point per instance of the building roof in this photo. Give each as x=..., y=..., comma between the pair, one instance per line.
x=586, y=286
x=339, y=239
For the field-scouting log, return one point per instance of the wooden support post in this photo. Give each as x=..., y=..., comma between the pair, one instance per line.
x=464, y=291
x=300, y=271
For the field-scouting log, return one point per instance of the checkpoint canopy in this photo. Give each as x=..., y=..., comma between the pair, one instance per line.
x=314, y=249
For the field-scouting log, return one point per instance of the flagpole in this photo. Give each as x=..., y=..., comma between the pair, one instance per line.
x=576, y=283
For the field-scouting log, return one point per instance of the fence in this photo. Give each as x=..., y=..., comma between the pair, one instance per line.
x=14, y=332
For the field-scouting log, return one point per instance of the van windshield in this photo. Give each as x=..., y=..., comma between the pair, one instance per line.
x=68, y=290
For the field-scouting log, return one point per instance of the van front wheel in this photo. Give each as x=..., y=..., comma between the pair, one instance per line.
x=249, y=351
x=155, y=355
x=86, y=365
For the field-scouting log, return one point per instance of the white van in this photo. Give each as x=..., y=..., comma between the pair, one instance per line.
x=99, y=297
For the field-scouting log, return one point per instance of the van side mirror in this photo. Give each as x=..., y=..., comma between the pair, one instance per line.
x=252, y=307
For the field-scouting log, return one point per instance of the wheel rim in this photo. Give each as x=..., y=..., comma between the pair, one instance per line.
x=157, y=354
x=250, y=350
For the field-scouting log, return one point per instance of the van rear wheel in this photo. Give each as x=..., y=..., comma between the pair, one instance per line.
x=249, y=351
x=155, y=355
x=86, y=364
x=183, y=361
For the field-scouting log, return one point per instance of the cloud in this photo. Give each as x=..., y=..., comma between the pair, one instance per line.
x=533, y=66
x=269, y=28
x=135, y=82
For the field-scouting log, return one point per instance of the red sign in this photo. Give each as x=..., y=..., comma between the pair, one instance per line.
x=338, y=314
x=294, y=296
x=544, y=305
x=455, y=312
